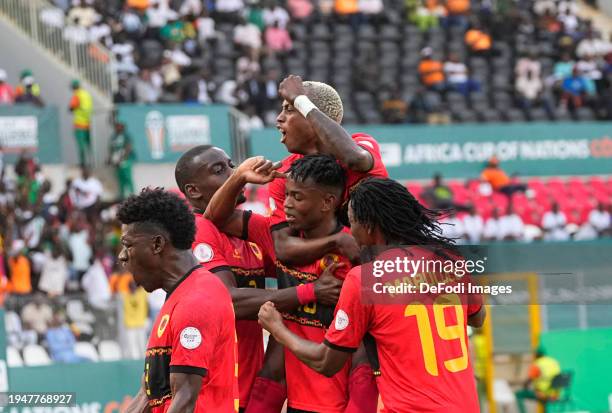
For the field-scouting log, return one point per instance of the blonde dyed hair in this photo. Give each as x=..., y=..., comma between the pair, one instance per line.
x=325, y=98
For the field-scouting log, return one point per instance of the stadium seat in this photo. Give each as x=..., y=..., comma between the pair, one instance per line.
x=35, y=355
x=87, y=350
x=13, y=358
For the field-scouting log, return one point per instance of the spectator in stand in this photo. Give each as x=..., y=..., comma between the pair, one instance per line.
x=300, y=9
x=394, y=109
x=574, y=90
x=589, y=69
x=275, y=14
x=254, y=204
x=61, y=341
x=28, y=96
x=206, y=28
x=247, y=35
x=247, y=66
x=430, y=14
x=278, y=39
x=54, y=272
x=499, y=180
x=541, y=7
x=251, y=121
x=599, y=220
x=81, y=106
x=511, y=227
x=438, y=195
x=86, y=192
x=120, y=279
x=146, y=90
x=479, y=41
x=7, y=94
x=492, y=228
x=19, y=269
x=135, y=315
x=457, y=12
x=553, y=223
x=474, y=226
x=37, y=314
x=158, y=14
x=430, y=71
x=82, y=14
x=592, y=45
x=348, y=10
x=530, y=92
x=121, y=156
x=95, y=283
x=228, y=10
x=452, y=227
x=570, y=23
x=79, y=242
x=549, y=23
x=371, y=10
x=529, y=63
x=20, y=89
x=563, y=68
x=255, y=15
x=456, y=74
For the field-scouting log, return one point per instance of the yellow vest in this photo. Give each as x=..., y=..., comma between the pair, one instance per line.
x=82, y=113
x=549, y=368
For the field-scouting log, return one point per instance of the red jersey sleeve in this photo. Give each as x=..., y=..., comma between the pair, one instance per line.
x=194, y=336
x=352, y=318
x=208, y=246
x=371, y=145
x=276, y=189
x=257, y=229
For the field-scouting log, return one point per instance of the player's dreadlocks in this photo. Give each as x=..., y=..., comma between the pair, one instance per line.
x=323, y=170
x=162, y=210
x=388, y=205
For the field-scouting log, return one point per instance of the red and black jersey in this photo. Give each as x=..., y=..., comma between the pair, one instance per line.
x=217, y=252
x=194, y=334
x=306, y=389
x=276, y=188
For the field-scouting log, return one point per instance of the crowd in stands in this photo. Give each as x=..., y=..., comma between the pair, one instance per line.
x=59, y=276
x=432, y=61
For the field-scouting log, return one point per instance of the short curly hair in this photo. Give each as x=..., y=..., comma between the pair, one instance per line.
x=325, y=98
x=163, y=210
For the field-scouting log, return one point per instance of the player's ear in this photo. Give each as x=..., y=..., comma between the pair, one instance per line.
x=192, y=191
x=329, y=202
x=158, y=244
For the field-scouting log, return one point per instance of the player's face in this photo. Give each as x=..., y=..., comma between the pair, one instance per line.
x=360, y=232
x=306, y=205
x=137, y=257
x=214, y=167
x=296, y=133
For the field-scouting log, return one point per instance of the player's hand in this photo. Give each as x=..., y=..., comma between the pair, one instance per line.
x=348, y=247
x=290, y=88
x=269, y=317
x=327, y=286
x=258, y=170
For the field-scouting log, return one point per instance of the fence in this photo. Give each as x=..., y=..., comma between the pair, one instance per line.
x=91, y=60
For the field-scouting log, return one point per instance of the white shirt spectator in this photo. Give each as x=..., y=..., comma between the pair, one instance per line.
x=565, y=5
x=474, y=227
x=227, y=93
x=191, y=7
x=99, y=31
x=37, y=316
x=54, y=275
x=592, y=47
x=33, y=230
x=178, y=57
x=131, y=22
x=81, y=251
x=95, y=284
x=76, y=34
x=52, y=16
x=206, y=28
x=492, y=229
x=370, y=6
x=456, y=72
x=248, y=35
x=85, y=192
x=277, y=14
x=159, y=16
x=570, y=22
x=527, y=64
x=599, y=220
x=554, y=226
x=541, y=6
x=529, y=88
x=452, y=227
x=511, y=226
x=589, y=69
x=229, y=6
x=146, y=92
x=246, y=69
x=84, y=16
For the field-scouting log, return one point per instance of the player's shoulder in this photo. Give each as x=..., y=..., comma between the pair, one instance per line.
x=202, y=288
x=206, y=231
x=286, y=163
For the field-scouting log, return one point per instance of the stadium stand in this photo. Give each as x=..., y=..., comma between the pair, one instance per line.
x=503, y=61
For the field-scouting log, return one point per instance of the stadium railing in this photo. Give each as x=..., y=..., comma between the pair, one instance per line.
x=92, y=61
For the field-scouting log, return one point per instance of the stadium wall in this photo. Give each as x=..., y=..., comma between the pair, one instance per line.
x=460, y=151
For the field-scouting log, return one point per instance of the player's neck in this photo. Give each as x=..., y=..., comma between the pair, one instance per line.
x=325, y=228
x=175, y=268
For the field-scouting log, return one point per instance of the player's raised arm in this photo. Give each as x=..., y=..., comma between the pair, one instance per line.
x=318, y=356
x=221, y=208
x=334, y=139
x=185, y=389
x=140, y=402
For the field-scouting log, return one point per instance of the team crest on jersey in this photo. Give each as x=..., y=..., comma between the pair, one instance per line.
x=163, y=323
x=191, y=338
x=203, y=252
x=328, y=260
x=256, y=250
x=236, y=254
x=342, y=320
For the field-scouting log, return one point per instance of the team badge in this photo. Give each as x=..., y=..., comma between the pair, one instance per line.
x=342, y=320
x=163, y=323
x=203, y=252
x=256, y=250
x=328, y=260
x=191, y=338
